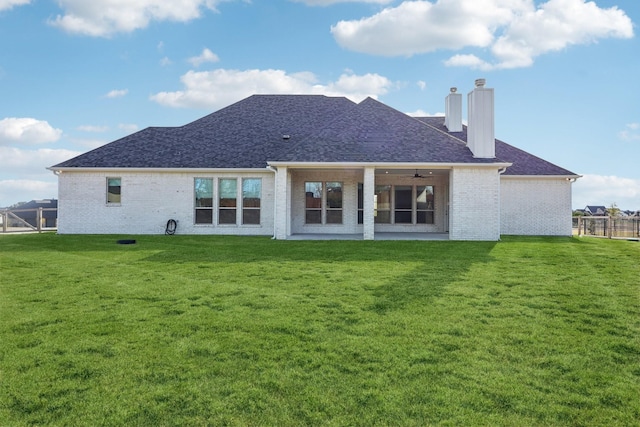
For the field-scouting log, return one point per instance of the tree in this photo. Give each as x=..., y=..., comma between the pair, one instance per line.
x=613, y=210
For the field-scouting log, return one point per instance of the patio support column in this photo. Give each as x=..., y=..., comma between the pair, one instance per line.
x=368, y=193
x=281, y=217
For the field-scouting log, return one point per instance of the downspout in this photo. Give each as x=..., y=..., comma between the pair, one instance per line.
x=500, y=172
x=275, y=199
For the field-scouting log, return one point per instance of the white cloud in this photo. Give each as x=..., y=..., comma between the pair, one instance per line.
x=205, y=56
x=8, y=4
x=422, y=113
x=88, y=143
x=630, y=133
x=221, y=87
x=470, y=61
x=514, y=31
x=128, y=127
x=103, y=18
x=330, y=2
x=165, y=61
x=93, y=129
x=13, y=191
x=422, y=85
x=117, y=93
x=27, y=130
x=605, y=190
x=556, y=25
x=21, y=162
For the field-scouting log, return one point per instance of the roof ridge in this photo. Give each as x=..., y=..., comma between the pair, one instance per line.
x=439, y=130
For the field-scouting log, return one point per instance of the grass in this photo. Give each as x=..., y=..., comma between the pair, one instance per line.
x=186, y=330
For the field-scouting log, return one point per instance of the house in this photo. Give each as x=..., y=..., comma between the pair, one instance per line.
x=285, y=165
x=30, y=213
x=595, y=210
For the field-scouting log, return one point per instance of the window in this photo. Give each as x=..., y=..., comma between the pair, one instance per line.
x=113, y=190
x=228, y=191
x=317, y=212
x=334, y=203
x=251, y=194
x=424, y=204
x=313, y=202
x=203, y=200
x=382, y=204
x=403, y=204
x=405, y=209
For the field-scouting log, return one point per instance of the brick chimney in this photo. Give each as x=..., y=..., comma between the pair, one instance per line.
x=453, y=111
x=480, y=130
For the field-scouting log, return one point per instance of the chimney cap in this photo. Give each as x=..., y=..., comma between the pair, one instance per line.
x=453, y=89
x=480, y=82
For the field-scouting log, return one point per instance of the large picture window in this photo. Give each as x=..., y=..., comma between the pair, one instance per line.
x=203, y=190
x=251, y=196
x=400, y=204
x=228, y=201
x=323, y=202
x=114, y=189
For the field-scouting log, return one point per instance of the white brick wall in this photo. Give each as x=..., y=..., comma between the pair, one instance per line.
x=149, y=200
x=483, y=205
x=536, y=206
x=474, y=204
x=349, y=179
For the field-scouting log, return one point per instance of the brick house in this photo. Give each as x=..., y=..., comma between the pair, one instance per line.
x=295, y=165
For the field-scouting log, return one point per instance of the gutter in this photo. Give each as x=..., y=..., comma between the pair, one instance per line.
x=389, y=165
x=571, y=178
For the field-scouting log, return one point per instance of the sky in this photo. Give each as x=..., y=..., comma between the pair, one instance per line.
x=77, y=74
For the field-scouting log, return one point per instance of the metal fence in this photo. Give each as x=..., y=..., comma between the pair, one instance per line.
x=28, y=220
x=606, y=226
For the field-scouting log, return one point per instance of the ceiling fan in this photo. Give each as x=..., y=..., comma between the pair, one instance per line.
x=417, y=175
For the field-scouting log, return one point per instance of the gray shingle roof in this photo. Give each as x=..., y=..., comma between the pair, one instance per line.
x=249, y=133
x=523, y=163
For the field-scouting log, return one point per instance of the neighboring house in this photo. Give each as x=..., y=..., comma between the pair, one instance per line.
x=28, y=212
x=595, y=210
x=283, y=165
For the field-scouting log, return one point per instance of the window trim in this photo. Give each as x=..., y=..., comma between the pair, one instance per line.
x=392, y=205
x=234, y=208
x=324, y=208
x=108, y=193
x=203, y=208
x=243, y=208
x=216, y=207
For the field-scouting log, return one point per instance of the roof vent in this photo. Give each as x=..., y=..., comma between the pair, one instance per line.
x=481, y=82
x=286, y=137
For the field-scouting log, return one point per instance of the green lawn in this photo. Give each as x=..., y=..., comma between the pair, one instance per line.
x=186, y=330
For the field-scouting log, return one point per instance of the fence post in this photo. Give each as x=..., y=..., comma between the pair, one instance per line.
x=579, y=226
x=609, y=226
x=39, y=220
x=4, y=221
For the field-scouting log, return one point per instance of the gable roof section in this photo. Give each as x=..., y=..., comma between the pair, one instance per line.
x=320, y=129
x=596, y=210
x=522, y=163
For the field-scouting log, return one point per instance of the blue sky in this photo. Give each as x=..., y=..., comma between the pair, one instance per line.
x=75, y=75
